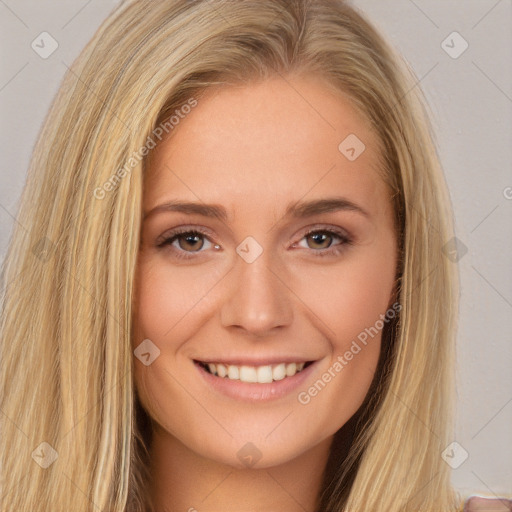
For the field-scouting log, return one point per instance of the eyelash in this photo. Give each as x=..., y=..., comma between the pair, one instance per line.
x=331, y=250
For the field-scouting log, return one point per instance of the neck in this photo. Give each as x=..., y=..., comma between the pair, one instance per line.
x=184, y=481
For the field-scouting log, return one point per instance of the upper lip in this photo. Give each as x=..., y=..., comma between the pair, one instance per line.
x=261, y=361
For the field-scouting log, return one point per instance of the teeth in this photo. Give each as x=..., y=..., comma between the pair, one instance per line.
x=264, y=374
x=291, y=369
x=221, y=370
x=248, y=374
x=233, y=372
x=260, y=374
x=279, y=372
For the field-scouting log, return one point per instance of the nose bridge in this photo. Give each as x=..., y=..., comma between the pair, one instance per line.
x=258, y=299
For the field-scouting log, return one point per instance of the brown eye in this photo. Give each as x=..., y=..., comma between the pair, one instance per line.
x=190, y=242
x=322, y=239
x=321, y=242
x=185, y=243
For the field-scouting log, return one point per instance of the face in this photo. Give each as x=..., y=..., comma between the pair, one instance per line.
x=265, y=272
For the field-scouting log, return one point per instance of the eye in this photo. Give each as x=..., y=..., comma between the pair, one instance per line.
x=323, y=239
x=185, y=240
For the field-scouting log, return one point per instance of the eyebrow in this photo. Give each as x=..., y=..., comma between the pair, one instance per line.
x=297, y=209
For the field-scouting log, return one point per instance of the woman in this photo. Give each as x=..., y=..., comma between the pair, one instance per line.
x=186, y=350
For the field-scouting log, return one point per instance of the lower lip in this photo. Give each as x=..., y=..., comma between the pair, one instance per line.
x=254, y=391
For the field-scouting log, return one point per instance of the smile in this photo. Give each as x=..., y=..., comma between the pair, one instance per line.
x=254, y=374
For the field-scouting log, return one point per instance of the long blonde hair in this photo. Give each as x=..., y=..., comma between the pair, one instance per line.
x=67, y=363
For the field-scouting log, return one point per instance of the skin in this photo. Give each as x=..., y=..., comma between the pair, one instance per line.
x=254, y=149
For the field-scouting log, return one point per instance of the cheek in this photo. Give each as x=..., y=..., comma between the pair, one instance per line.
x=350, y=297
x=170, y=306
x=167, y=299
x=349, y=302
x=166, y=302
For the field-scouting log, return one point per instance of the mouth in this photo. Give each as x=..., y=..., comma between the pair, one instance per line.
x=262, y=374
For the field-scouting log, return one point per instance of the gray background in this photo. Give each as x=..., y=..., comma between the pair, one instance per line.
x=471, y=100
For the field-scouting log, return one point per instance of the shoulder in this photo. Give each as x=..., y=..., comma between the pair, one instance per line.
x=478, y=504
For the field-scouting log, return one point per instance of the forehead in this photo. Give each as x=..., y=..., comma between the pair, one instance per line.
x=266, y=143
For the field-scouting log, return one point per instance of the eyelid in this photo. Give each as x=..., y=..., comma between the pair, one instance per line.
x=170, y=233
x=313, y=228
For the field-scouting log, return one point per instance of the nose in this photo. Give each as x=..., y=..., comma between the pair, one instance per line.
x=258, y=300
